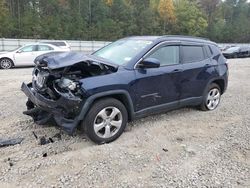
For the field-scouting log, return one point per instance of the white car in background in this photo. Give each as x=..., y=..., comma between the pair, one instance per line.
x=25, y=55
x=61, y=44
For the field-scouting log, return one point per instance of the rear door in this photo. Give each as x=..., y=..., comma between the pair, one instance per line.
x=158, y=86
x=197, y=70
x=42, y=49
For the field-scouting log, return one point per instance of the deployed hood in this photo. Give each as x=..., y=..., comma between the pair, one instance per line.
x=55, y=60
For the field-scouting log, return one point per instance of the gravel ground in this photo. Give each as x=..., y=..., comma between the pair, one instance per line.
x=181, y=148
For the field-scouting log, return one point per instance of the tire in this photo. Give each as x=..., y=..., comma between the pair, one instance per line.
x=211, y=98
x=100, y=125
x=6, y=63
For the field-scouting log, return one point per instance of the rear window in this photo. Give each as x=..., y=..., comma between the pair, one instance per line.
x=44, y=48
x=56, y=43
x=192, y=54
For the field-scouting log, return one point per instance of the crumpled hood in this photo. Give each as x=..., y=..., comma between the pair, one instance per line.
x=55, y=60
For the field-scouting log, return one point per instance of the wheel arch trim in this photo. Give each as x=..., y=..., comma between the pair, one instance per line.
x=93, y=98
x=216, y=80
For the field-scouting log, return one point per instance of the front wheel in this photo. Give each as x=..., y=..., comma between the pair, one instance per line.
x=211, y=98
x=5, y=63
x=105, y=121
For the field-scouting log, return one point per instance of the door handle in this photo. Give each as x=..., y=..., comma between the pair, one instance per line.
x=177, y=70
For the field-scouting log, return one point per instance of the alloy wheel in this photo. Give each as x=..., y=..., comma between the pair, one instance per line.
x=6, y=64
x=213, y=98
x=108, y=122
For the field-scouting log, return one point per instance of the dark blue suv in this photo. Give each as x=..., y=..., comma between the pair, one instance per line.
x=130, y=78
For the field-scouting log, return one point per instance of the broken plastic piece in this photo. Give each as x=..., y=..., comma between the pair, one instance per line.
x=164, y=149
x=44, y=140
x=35, y=135
x=10, y=142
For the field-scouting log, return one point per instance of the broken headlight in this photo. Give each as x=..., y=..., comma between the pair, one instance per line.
x=40, y=77
x=65, y=83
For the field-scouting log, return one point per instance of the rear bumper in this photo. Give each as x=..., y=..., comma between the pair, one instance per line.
x=64, y=110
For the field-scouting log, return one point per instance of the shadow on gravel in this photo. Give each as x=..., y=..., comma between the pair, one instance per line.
x=158, y=117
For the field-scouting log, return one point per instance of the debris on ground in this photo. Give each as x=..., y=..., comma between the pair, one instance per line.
x=179, y=139
x=36, y=137
x=58, y=136
x=11, y=164
x=164, y=149
x=10, y=142
x=43, y=140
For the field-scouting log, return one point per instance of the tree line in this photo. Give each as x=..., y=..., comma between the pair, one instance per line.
x=221, y=21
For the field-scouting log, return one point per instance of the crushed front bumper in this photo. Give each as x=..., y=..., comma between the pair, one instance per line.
x=64, y=111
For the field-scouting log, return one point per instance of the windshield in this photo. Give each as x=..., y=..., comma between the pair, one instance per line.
x=122, y=51
x=232, y=49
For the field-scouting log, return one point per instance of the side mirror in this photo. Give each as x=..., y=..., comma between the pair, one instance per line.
x=149, y=63
x=19, y=51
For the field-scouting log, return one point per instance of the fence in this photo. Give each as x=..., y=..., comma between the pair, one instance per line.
x=84, y=46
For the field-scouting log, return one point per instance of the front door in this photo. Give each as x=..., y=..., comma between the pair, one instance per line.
x=26, y=56
x=159, y=86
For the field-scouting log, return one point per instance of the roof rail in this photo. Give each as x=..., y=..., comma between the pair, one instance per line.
x=184, y=36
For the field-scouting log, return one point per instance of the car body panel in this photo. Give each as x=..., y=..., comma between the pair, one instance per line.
x=157, y=86
x=142, y=90
x=56, y=60
x=194, y=78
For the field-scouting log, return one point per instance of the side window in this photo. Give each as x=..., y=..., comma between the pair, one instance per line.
x=44, y=48
x=209, y=51
x=193, y=54
x=28, y=48
x=168, y=55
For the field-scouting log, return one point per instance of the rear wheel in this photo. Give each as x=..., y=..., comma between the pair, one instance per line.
x=211, y=98
x=105, y=121
x=6, y=63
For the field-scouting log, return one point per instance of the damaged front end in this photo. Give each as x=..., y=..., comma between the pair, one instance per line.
x=56, y=93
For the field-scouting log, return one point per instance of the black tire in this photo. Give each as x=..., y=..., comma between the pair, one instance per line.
x=204, y=105
x=92, y=116
x=6, y=63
